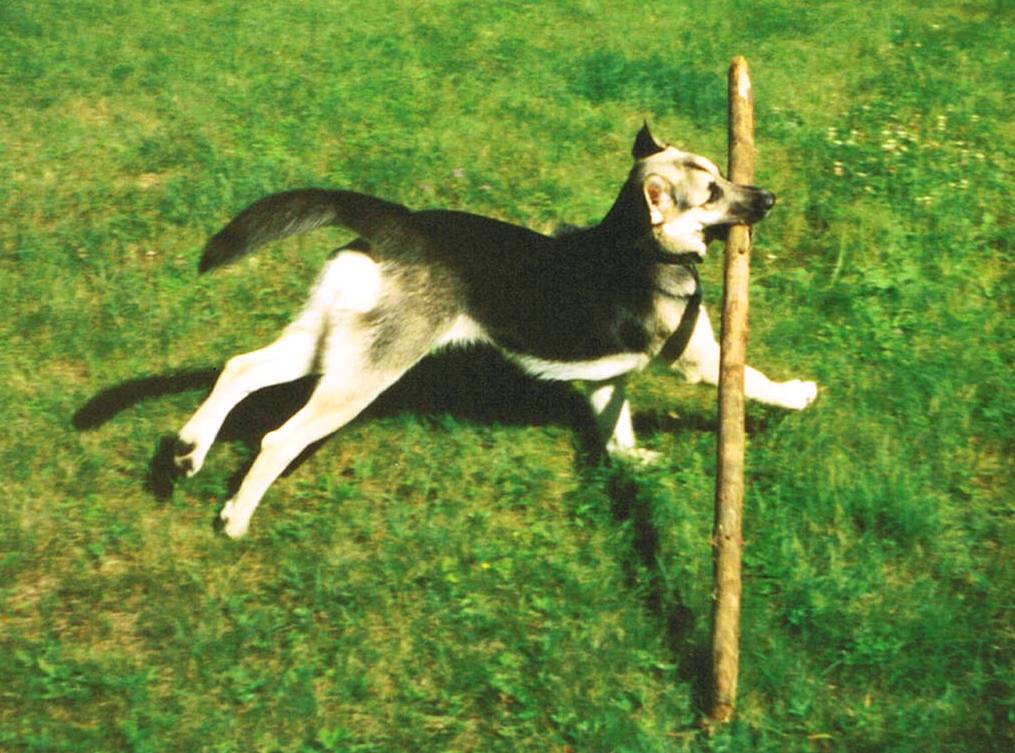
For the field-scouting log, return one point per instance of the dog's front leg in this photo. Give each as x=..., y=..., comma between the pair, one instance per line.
x=700, y=363
x=613, y=419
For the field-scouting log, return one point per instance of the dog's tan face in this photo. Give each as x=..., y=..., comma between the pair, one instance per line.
x=687, y=196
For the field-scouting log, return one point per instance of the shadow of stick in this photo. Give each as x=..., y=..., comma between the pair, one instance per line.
x=664, y=602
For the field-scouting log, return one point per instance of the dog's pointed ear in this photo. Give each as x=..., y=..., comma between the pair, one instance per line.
x=658, y=197
x=645, y=144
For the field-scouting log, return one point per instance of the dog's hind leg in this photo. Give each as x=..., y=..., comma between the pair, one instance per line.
x=287, y=359
x=334, y=403
x=350, y=282
x=700, y=363
x=363, y=354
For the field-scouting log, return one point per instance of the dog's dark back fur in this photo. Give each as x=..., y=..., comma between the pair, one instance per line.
x=513, y=281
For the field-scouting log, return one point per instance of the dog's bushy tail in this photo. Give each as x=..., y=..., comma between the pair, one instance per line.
x=293, y=212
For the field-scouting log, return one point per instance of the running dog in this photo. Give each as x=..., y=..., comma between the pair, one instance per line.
x=594, y=305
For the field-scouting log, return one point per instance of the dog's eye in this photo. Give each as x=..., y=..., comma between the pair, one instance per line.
x=714, y=193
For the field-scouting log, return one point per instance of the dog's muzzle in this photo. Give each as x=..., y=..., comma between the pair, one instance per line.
x=747, y=211
x=758, y=205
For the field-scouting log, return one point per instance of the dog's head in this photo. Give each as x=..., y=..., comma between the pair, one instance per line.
x=689, y=202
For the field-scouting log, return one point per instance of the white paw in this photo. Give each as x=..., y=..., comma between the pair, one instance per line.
x=634, y=455
x=189, y=454
x=234, y=523
x=797, y=394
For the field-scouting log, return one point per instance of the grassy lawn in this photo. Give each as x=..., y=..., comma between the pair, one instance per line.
x=452, y=572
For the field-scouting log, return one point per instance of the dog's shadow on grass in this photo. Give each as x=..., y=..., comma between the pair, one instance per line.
x=476, y=386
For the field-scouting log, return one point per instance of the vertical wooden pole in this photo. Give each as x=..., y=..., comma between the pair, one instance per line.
x=729, y=496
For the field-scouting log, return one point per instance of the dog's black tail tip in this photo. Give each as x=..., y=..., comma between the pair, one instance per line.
x=223, y=248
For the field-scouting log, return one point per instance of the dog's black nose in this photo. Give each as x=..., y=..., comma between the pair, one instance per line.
x=767, y=200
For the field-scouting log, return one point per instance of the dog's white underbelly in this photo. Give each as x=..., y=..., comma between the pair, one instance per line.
x=466, y=330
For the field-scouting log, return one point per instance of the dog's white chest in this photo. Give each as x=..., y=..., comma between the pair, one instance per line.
x=596, y=370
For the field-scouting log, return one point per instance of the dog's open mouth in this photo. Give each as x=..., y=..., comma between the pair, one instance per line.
x=751, y=211
x=716, y=233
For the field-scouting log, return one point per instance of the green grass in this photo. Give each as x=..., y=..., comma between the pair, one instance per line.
x=451, y=574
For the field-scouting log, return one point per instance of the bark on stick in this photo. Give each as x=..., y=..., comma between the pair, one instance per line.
x=729, y=498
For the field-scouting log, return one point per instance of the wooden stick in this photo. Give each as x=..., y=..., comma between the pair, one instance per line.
x=729, y=496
